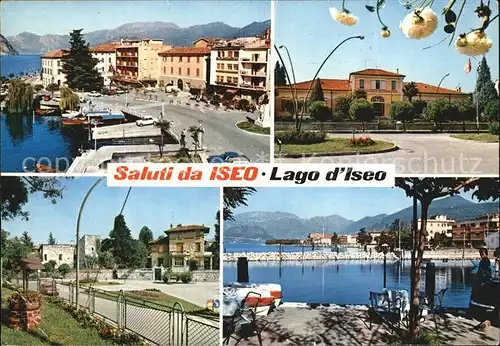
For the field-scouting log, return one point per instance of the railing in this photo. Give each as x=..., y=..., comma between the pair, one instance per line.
x=254, y=61
x=226, y=71
x=251, y=86
x=159, y=324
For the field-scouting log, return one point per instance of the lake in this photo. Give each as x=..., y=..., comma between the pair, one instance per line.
x=349, y=282
x=27, y=140
x=27, y=63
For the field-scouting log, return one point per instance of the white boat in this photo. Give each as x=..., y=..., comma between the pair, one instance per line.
x=71, y=114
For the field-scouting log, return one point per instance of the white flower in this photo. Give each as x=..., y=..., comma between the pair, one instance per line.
x=474, y=43
x=419, y=24
x=343, y=17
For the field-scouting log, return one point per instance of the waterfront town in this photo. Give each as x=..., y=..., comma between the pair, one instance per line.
x=159, y=103
x=115, y=283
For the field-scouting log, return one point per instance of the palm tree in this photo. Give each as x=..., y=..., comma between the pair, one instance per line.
x=235, y=197
x=164, y=126
x=410, y=90
x=195, y=132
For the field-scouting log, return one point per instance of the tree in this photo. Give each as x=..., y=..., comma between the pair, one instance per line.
x=50, y=266
x=492, y=111
x=146, y=236
x=215, y=246
x=342, y=104
x=51, y=240
x=79, y=66
x=320, y=111
x=123, y=245
x=438, y=111
x=363, y=237
x=485, y=88
x=164, y=126
x=465, y=111
x=14, y=250
x=360, y=94
x=26, y=240
x=90, y=262
x=11, y=75
x=234, y=197
x=52, y=87
x=426, y=190
x=410, y=90
x=20, y=97
x=335, y=239
x=69, y=100
x=279, y=74
x=64, y=269
x=419, y=107
x=38, y=87
x=317, y=92
x=196, y=132
x=140, y=255
x=16, y=191
x=403, y=111
x=361, y=110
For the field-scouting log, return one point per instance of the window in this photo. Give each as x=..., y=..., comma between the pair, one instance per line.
x=235, y=67
x=164, y=69
x=197, y=72
x=160, y=261
x=361, y=83
x=229, y=67
x=109, y=60
x=197, y=59
x=171, y=70
x=198, y=247
x=178, y=262
x=393, y=85
x=180, y=71
x=45, y=257
x=377, y=84
x=60, y=257
x=171, y=59
x=179, y=248
x=188, y=71
x=189, y=59
x=180, y=59
x=92, y=249
x=230, y=54
x=236, y=54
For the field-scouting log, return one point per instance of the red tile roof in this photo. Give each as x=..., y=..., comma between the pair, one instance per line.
x=186, y=51
x=55, y=54
x=108, y=47
x=427, y=88
x=162, y=240
x=376, y=72
x=328, y=84
x=208, y=39
x=189, y=228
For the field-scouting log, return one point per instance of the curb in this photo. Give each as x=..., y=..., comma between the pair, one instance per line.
x=250, y=132
x=471, y=140
x=343, y=153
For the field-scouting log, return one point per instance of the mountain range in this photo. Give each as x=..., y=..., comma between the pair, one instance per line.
x=259, y=226
x=5, y=47
x=170, y=33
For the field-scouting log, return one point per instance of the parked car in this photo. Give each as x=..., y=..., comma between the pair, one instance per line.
x=229, y=157
x=94, y=94
x=147, y=120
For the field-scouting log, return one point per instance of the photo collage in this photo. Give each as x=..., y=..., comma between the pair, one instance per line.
x=281, y=172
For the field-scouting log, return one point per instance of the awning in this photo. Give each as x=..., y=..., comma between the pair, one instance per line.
x=231, y=91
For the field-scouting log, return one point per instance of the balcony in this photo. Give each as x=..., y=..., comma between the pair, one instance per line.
x=253, y=61
x=227, y=83
x=126, y=64
x=250, y=73
x=126, y=54
x=227, y=58
x=252, y=86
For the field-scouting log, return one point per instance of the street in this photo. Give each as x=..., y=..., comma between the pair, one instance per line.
x=422, y=154
x=220, y=135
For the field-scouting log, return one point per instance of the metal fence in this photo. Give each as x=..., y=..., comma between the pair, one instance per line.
x=159, y=324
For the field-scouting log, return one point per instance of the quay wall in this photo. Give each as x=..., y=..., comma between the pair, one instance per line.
x=452, y=254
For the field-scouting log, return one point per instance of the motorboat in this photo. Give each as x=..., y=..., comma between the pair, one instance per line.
x=47, y=112
x=261, y=296
x=71, y=114
x=271, y=289
x=72, y=122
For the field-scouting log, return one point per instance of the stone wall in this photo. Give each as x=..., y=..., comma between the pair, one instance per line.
x=206, y=275
x=107, y=274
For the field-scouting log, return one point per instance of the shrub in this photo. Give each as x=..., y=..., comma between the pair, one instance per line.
x=494, y=128
x=251, y=108
x=214, y=102
x=64, y=269
x=186, y=277
x=419, y=107
x=491, y=111
x=361, y=141
x=166, y=277
x=361, y=110
x=402, y=111
x=242, y=104
x=338, y=116
x=193, y=264
x=301, y=137
x=320, y=111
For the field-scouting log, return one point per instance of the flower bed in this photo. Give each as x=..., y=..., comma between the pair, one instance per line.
x=361, y=141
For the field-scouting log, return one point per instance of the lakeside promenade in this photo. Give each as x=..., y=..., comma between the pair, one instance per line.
x=449, y=254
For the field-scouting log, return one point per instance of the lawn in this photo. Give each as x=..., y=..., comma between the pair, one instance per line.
x=482, y=137
x=101, y=283
x=57, y=327
x=149, y=298
x=331, y=145
x=251, y=127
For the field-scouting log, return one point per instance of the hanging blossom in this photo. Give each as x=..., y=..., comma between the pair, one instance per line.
x=419, y=24
x=343, y=16
x=473, y=43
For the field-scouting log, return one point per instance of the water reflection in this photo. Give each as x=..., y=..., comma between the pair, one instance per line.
x=348, y=282
x=19, y=126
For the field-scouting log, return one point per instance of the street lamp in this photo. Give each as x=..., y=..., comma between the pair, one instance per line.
x=476, y=96
x=385, y=249
x=294, y=90
x=441, y=81
x=360, y=37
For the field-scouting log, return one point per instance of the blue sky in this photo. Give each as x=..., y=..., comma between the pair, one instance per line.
x=351, y=203
x=60, y=17
x=156, y=208
x=310, y=33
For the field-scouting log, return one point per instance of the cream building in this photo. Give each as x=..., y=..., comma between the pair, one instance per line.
x=106, y=55
x=52, y=68
x=437, y=225
x=59, y=253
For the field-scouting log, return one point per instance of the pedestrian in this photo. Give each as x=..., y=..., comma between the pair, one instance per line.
x=484, y=268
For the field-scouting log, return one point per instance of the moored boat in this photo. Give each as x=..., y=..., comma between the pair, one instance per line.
x=41, y=168
x=47, y=112
x=262, y=297
x=72, y=122
x=71, y=114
